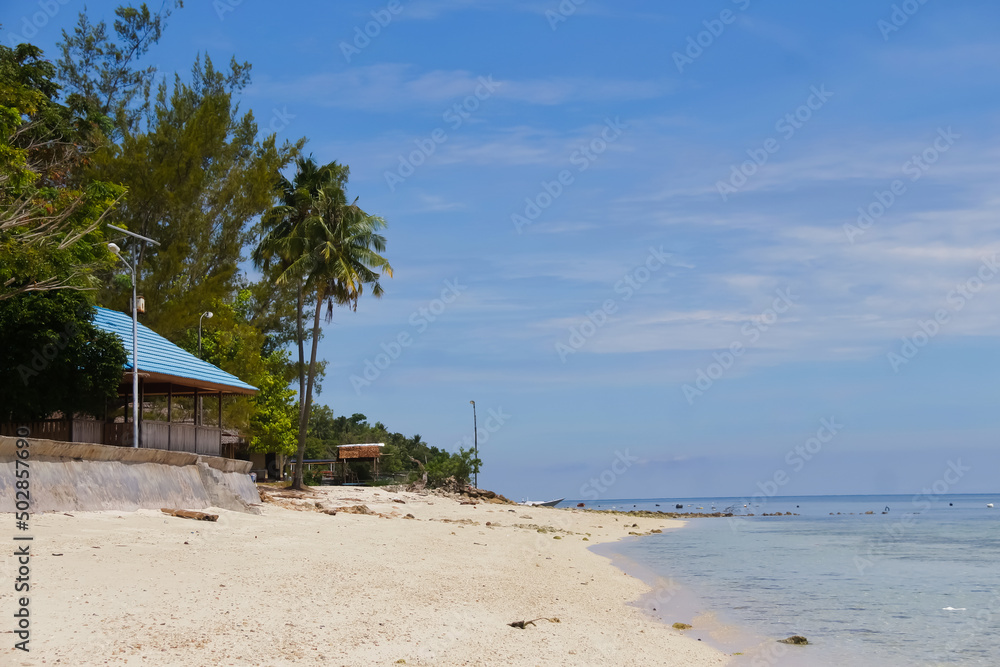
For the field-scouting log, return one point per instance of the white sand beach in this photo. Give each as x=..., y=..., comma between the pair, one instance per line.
x=297, y=586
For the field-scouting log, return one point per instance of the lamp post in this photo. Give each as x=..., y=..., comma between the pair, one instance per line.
x=475, y=440
x=207, y=314
x=135, y=347
x=113, y=247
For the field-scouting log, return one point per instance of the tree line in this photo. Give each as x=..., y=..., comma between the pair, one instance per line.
x=98, y=140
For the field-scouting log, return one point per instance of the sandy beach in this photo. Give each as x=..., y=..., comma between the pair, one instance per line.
x=297, y=586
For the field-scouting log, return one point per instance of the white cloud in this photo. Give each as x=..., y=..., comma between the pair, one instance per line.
x=392, y=87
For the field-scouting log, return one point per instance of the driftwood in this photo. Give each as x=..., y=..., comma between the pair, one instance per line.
x=423, y=472
x=523, y=625
x=188, y=514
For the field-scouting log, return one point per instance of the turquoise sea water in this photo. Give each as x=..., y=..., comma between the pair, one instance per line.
x=916, y=585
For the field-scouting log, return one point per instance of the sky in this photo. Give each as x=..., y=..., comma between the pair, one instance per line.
x=669, y=249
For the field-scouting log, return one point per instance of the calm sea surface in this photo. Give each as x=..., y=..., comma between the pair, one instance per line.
x=915, y=583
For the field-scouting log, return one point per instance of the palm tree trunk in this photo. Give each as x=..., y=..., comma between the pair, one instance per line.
x=298, y=483
x=302, y=355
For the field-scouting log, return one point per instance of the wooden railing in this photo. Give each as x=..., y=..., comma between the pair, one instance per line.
x=204, y=440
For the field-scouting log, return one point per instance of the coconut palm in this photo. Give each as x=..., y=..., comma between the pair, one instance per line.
x=332, y=251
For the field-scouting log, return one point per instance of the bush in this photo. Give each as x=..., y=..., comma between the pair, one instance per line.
x=461, y=466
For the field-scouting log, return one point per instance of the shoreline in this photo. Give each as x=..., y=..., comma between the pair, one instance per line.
x=670, y=601
x=296, y=586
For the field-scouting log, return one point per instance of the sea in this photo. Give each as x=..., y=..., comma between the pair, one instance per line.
x=868, y=580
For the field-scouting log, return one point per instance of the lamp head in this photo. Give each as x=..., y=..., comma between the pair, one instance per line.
x=472, y=402
x=209, y=314
x=113, y=247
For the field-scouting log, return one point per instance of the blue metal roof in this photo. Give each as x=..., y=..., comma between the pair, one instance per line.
x=158, y=355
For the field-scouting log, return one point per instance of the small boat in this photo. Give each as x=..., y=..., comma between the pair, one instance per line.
x=542, y=503
x=989, y=505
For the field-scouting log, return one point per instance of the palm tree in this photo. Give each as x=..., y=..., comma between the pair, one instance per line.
x=282, y=241
x=332, y=251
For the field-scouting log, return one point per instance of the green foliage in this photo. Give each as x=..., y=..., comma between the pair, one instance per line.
x=197, y=180
x=445, y=465
x=53, y=358
x=233, y=342
x=103, y=70
x=272, y=423
x=326, y=432
x=50, y=209
x=324, y=247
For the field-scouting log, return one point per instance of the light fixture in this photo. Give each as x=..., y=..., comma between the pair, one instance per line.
x=209, y=315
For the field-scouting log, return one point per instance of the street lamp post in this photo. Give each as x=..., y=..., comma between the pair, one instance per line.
x=135, y=326
x=207, y=314
x=475, y=440
x=135, y=347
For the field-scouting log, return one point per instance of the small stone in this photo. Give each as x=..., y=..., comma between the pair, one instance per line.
x=681, y=626
x=798, y=640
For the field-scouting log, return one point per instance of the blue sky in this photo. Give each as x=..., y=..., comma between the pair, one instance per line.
x=591, y=210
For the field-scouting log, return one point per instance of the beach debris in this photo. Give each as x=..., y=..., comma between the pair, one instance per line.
x=355, y=509
x=797, y=640
x=681, y=626
x=467, y=522
x=523, y=625
x=395, y=500
x=582, y=505
x=187, y=514
x=409, y=516
x=330, y=512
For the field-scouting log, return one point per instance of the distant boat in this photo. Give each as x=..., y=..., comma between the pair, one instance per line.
x=990, y=505
x=542, y=503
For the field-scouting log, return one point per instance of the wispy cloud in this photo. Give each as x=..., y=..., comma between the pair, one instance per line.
x=392, y=87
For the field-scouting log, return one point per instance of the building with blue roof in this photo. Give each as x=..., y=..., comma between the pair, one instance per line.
x=162, y=363
x=181, y=399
